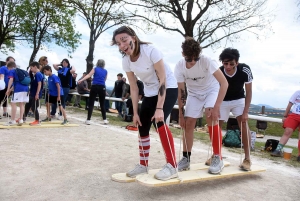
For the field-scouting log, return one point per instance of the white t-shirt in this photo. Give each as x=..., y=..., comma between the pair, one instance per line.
x=295, y=99
x=144, y=69
x=199, y=79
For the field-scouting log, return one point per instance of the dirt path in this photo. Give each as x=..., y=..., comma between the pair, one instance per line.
x=75, y=163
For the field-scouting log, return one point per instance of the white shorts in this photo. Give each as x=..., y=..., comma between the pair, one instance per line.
x=234, y=106
x=20, y=97
x=2, y=85
x=196, y=103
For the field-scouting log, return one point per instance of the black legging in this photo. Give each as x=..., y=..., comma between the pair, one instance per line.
x=148, y=109
x=99, y=90
x=34, y=105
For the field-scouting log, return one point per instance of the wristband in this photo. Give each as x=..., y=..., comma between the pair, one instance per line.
x=159, y=108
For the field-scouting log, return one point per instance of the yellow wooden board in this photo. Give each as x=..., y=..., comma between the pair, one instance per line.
x=196, y=175
x=121, y=177
x=40, y=126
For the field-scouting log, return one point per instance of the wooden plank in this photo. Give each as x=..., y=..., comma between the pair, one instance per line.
x=197, y=175
x=121, y=177
x=40, y=126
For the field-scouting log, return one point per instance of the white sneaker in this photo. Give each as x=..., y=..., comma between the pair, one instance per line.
x=11, y=123
x=105, y=121
x=166, y=173
x=139, y=169
x=59, y=117
x=88, y=122
x=20, y=122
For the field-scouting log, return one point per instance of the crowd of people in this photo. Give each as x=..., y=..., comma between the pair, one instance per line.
x=198, y=84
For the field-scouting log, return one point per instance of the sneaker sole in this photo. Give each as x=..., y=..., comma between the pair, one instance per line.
x=276, y=155
x=184, y=169
x=245, y=169
x=218, y=172
x=168, y=178
x=135, y=175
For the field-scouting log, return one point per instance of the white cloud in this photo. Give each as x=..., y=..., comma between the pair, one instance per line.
x=274, y=60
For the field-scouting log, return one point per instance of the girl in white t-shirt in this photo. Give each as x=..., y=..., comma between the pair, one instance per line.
x=160, y=88
x=206, y=88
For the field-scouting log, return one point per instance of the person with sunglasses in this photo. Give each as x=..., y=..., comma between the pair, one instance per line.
x=237, y=75
x=206, y=88
x=160, y=89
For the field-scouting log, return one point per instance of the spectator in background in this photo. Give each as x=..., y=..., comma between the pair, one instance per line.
x=82, y=88
x=72, y=89
x=98, y=89
x=20, y=94
x=64, y=71
x=36, y=87
x=4, y=71
x=291, y=121
x=118, y=90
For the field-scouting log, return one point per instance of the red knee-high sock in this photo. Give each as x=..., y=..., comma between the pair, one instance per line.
x=144, y=147
x=298, y=147
x=164, y=134
x=216, y=139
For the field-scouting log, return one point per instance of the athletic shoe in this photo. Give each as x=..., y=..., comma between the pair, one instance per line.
x=277, y=153
x=88, y=122
x=35, y=123
x=20, y=122
x=79, y=106
x=75, y=105
x=246, y=165
x=139, y=169
x=298, y=158
x=105, y=121
x=46, y=119
x=11, y=123
x=183, y=164
x=0, y=117
x=52, y=116
x=216, y=165
x=208, y=162
x=166, y=173
x=65, y=122
x=59, y=117
x=6, y=115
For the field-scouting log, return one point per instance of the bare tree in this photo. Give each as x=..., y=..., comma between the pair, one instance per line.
x=9, y=24
x=208, y=21
x=100, y=16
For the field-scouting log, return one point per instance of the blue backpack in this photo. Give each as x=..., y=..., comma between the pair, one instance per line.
x=23, y=77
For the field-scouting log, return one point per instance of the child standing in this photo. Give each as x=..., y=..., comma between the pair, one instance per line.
x=20, y=95
x=55, y=95
x=35, y=93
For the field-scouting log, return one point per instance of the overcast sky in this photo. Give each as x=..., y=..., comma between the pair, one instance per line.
x=273, y=60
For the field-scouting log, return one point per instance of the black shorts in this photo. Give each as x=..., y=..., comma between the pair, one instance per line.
x=53, y=99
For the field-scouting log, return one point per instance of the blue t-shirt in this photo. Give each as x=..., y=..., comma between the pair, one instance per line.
x=18, y=87
x=99, y=76
x=38, y=77
x=52, y=80
x=4, y=70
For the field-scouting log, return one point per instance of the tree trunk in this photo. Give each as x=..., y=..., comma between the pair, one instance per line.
x=33, y=54
x=189, y=30
x=90, y=58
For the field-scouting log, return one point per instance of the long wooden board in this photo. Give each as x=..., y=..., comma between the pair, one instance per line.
x=40, y=126
x=196, y=175
x=121, y=177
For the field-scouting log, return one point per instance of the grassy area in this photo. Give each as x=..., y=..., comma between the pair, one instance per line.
x=274, y=129
x=204, y=137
